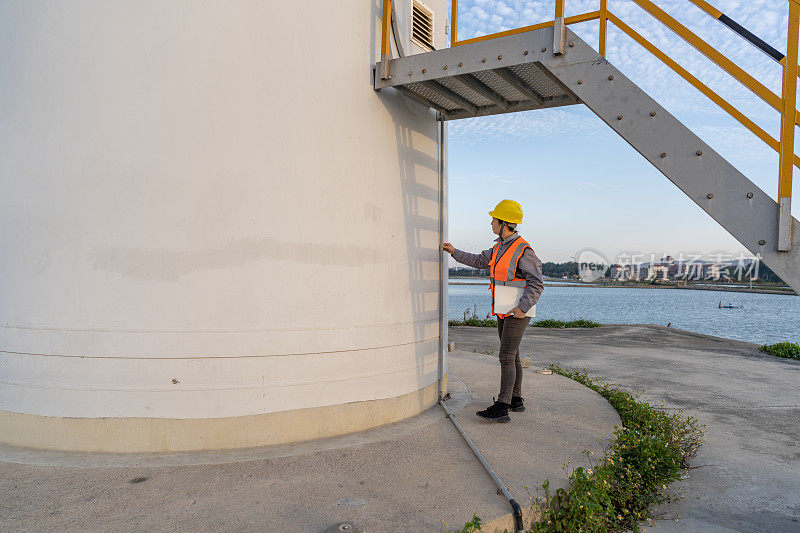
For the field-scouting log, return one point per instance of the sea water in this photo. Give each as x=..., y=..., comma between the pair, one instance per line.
x=763, y=318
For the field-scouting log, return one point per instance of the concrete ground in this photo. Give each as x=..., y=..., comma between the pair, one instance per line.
x=417, y=475
x=747, y=476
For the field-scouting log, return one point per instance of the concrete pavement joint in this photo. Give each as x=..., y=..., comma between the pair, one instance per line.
x=737, y=392
x=412, y=477
x=460, y=396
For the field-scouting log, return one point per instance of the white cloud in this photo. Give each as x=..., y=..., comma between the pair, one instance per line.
x=547, y=123
x=767, y=20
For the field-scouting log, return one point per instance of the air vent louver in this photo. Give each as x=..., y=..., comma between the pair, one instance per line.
x=422, y=26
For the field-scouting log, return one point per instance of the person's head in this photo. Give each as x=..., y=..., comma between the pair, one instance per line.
x=498, y=226
x=505, y=217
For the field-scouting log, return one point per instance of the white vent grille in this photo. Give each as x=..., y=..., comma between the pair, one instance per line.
x=422, y=26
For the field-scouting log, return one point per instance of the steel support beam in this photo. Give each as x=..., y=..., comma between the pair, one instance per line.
x=476, y=85
x=735, y=202
x=524, y=105
x=567, y=91
x=470, y=58
x=559, y=36
x=422, y=100
x=512, y=79
x=444, y=92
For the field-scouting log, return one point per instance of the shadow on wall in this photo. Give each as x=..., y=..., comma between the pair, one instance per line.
x=419, y=175
x=422, y=243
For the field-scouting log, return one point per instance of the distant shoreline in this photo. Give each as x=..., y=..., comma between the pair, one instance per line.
x=776, y=290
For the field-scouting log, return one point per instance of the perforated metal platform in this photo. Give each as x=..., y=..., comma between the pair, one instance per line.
x=503, y=75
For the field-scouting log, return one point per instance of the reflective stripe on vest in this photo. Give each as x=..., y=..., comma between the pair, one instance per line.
x=519, y=283
x=503, y=269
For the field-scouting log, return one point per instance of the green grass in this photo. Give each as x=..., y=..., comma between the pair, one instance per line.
x=479, y=322
x=787, y=350
x=619, y=491
x=550, y=323
x=471, y=526
x=547, y=323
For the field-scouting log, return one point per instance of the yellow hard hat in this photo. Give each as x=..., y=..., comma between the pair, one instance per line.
x=509, y=211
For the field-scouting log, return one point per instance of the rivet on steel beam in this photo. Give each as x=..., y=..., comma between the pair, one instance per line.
x=445, y=67
x=699, y=152
x=749, y=195
x=619, y=117
x=544, y=49
x=580, y=82
x=525, y=53
x=762, y=242
x=663, y=155
x=611, y=77
x=460, y=63
x=483, y=60
x=424, y=71
x=709, y=196
x=571, y=44
x=500, y=56
x=652, y=113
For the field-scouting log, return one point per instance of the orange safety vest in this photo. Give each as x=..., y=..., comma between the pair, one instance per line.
x=503, y=269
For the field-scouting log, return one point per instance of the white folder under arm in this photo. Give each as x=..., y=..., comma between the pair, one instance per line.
x=507, y=298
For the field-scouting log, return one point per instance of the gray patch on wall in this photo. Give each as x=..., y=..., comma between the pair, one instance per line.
x=169, y=265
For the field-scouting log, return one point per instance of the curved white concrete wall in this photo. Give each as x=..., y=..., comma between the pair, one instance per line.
x=208, y=212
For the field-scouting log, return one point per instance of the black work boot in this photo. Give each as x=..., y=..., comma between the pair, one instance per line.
x=497, y=412
x=516, y=404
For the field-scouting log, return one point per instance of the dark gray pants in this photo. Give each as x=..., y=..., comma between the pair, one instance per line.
x=510, y=330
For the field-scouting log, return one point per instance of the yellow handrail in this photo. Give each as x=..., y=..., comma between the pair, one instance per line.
x=575, y=19
x=785, y=104
x=710, y=52
x=699, y=85
x=789, y=111
x=601, y=46
x=454, y=24
x=708, y=8
x=386, y=22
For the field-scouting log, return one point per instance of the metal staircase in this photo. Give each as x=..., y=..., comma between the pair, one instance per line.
x=550, y=66
x=489, y=87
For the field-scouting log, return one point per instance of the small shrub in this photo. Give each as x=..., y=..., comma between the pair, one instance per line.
x=471, y=526
x=787, y=350
x=552, y=323
x=478, y=322
x=582, y=323
x=547, y=323
x=618, y=492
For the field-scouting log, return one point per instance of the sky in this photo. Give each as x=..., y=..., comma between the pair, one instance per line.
x=579, y=183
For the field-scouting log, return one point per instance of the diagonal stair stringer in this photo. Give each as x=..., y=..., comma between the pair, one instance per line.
x=520, y=72
x=727, y=195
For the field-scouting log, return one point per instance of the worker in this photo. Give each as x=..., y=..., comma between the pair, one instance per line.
x=527, y=271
